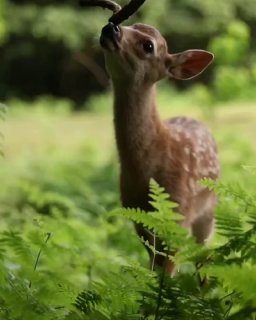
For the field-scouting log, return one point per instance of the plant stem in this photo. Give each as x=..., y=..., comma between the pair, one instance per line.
x=48, y=236
x=159, y=298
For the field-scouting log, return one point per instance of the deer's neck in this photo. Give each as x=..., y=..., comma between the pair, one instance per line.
x=137, y=122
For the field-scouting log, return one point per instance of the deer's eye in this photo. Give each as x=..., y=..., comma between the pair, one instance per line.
x=148, y=46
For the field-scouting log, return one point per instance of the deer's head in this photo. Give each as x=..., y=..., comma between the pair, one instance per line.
x=140, y=51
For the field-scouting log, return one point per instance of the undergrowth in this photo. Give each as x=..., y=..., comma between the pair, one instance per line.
x=70, y=263
x=68, y=251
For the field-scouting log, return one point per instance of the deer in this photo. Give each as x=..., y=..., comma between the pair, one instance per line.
x=177, y=153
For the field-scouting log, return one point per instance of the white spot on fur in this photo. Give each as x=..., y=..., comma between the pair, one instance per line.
x=176, y=137
x=192, y=184
x=186, y=168
x=187, y=150
x=205, y=172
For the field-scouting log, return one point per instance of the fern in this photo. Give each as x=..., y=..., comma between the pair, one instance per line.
x=94, y=267
x=161, y=201
x=163, y=223
x=13, y=240
x=232, y=191
x=86, y=301
x=237, y=249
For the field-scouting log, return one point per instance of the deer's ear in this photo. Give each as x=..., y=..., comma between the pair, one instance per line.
x=188, y=64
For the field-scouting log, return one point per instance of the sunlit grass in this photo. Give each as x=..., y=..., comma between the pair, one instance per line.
x=69, y=133
x=31, y=130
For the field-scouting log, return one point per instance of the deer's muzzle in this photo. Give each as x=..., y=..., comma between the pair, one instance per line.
x=110, y=36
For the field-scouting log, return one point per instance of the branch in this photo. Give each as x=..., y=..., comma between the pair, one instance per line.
x=127, y=11
x=93, y=68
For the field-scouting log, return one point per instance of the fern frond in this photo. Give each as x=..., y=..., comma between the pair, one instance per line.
x=163, y=224
x=166, y=228
x=235, y=278
x=180, y=299
x=87, y=301
x=15, y=241
x=232, y=191
x=161, y=200
x=229, y=225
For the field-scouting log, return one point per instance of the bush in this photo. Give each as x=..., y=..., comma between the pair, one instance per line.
x=233, y=75
x=41, y=106
x=232, y=47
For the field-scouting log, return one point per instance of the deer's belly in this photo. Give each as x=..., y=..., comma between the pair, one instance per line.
x=192, y=198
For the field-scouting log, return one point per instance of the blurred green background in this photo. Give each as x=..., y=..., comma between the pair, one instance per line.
x=51, y=47
x=53, y=80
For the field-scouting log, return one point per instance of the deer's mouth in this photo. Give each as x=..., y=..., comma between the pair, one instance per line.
x=110, y=37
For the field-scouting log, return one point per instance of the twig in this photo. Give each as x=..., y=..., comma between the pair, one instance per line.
x=48, y=236
x=93, y=67
x=127, y=11
x=154, y=252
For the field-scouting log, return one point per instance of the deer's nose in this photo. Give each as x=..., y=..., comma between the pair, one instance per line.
x=111, y=31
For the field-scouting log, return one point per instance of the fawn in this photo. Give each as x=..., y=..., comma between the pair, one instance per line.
x=176, y=152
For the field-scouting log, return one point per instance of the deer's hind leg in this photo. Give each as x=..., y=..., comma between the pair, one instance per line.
x=203, y=227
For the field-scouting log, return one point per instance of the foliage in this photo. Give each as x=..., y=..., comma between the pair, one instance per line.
x=67, y=251
x=63, y=257
x=3, y=22
x=194, y=18
x=41, y=106
x=231, y=48
x=234, y=76
x=52, y=48
x=100, y=103
x=48, y=21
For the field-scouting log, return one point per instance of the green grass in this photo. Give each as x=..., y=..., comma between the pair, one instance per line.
x=32, y=132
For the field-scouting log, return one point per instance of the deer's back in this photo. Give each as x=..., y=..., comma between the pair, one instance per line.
x=195, y=146
x=183, y=154
x=193, y=156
